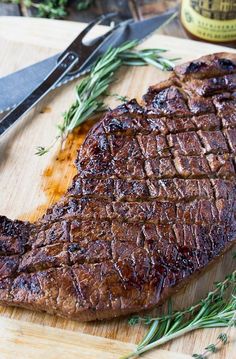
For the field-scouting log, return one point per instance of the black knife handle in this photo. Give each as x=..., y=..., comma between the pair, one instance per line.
x=62, y=68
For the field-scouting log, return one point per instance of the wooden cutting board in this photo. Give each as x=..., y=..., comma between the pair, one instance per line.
x=28, y=184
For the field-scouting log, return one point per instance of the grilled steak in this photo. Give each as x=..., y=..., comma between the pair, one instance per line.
x=152, y=204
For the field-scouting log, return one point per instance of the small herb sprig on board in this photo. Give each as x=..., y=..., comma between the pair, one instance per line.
x=218, y=309
x=92, y=90
x=221, y=339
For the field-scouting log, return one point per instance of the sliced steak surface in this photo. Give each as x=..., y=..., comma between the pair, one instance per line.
x=153, y=203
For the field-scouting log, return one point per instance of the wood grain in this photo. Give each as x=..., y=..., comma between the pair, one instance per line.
x=36, y=341
x=24, y=188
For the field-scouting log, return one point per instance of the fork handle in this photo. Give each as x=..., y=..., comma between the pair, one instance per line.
x=60, y=70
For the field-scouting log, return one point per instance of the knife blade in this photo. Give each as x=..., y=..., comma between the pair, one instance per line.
x=73, y=58
x=66, y=64
x=22, y=82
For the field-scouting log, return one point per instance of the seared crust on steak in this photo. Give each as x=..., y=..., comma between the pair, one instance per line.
x=152, y=204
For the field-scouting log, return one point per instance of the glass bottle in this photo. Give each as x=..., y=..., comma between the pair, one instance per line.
x=210, y=20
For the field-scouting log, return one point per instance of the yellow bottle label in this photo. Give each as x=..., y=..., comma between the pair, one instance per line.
x=211, y=20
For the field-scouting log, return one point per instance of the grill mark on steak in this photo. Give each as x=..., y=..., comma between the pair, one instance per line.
x=145, y=155
x=135, y=190
x=213, y=85
x=150, y=211
x=195, y=167
x=154, y=202
x=82, y=244
x=151, y=124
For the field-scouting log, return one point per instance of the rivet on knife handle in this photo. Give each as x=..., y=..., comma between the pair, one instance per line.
x=63, y=67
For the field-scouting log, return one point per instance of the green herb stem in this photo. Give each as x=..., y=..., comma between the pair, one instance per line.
x=220, y=289
x=92, y=90
x=216, y=310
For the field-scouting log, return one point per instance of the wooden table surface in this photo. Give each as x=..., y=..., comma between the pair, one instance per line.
x=126, y=9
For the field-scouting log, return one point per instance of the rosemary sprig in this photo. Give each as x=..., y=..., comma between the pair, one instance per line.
x=119, y=97
x=216, y=310
x=221, y=339
x=220, y=288
x=40, y=150
x=92, y=90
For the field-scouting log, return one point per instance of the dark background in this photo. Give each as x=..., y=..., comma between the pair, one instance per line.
x=126, y=9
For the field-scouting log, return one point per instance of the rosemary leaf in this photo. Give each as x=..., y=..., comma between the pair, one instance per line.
x=92, y=89
x=217, y=309
x=211, y=296
x=119, y=97
x=40, y=151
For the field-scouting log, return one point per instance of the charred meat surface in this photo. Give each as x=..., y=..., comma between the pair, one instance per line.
x=153, y=202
